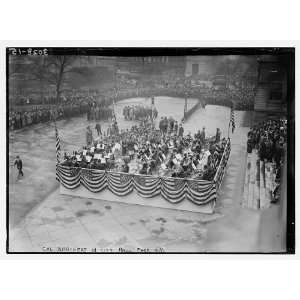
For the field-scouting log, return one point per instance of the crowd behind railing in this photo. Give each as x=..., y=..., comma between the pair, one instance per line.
x=269, y=140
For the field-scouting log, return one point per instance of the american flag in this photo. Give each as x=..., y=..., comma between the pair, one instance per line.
x=57, y=151
x=232, y=121
x=57, y=145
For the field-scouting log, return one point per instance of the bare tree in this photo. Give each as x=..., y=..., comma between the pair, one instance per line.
x=38, y=71
x=50, y=69
x=57, y=68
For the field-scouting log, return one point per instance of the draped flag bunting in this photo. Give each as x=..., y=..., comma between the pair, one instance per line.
x=201, y=189
x=173, y=190
x=69, y=177
x=119, y=183
x=93, y=180
x=147, y=186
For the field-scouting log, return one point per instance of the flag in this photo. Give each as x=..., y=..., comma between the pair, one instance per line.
x=57, y=145
x=232, y=121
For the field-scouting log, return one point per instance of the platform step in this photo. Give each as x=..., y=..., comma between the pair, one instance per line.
x=251, y=184
x=258, y=183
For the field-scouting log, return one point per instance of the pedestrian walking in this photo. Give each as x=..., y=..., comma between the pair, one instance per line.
x=19, y=164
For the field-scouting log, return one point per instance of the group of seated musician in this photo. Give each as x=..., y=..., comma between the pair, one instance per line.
x=153, y=153
x=181, y=157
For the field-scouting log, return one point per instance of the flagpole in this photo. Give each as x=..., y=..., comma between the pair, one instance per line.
x=229, y=122
x=228, y=129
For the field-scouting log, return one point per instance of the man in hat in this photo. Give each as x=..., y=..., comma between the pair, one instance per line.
x=19, y=164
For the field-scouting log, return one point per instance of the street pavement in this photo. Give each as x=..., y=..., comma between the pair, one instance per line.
x=42, y=220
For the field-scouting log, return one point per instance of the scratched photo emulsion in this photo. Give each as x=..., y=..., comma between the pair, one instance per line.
x=150, y=150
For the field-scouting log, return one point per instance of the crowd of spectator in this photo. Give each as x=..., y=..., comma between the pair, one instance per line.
x=98, y=106
x=269, y=140
x=38, y=114
x=95, y=108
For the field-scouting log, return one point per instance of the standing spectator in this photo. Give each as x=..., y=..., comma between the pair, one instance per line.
x=161, y=124
x=176, y=127
x=218, y=135
x=262, y=149
x=202, y=135
x=98, y=128
x=181, y=130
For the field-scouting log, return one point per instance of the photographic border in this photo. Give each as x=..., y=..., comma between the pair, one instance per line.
x=184, y=51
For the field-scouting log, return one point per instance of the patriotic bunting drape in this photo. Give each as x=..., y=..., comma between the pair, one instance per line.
x=174, y=190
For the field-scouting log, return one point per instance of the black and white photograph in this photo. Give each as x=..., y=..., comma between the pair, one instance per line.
x=144, y=150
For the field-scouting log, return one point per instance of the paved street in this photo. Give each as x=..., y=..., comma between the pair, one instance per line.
x=43, y=220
